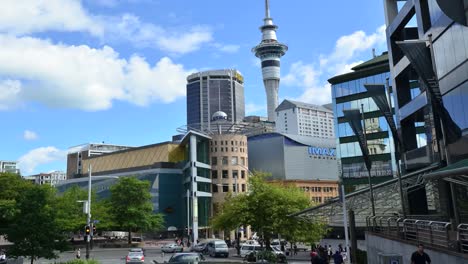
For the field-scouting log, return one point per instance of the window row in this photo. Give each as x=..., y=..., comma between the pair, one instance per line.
x=225, y=188
x=451, y=49
x=373, y=125
x=225, y=174
x=226, y=143
x=225, y=161
x=357, y=86
x=226, y=149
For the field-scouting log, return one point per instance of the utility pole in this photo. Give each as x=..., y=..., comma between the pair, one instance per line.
x=88, y=218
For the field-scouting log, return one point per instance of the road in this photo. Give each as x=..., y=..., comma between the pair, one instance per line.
x=116, y=256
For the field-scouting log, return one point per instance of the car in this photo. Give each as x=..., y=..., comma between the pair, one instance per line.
x=246, y=249
x=137, y=250
x=217, y=248
x=171, y=248
x=135, y=258
x=186, y=258
x=200, y=247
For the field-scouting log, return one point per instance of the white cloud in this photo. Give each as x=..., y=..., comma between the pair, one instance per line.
x=36, y=157
x=30, y=135
x=10, y=94
x=229, y=48
x=23, y=17
x=28, y=16
x=252, y=108
x=312, y=77
x=85, y=78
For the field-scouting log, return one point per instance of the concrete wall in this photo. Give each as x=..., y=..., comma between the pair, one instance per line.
x=377, y=244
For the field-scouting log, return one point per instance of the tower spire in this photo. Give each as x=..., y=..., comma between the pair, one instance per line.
x=267, y=8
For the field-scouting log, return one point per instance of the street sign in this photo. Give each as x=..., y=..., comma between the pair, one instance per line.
x=96, y=221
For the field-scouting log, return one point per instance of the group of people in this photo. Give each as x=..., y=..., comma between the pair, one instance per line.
x=324, y=255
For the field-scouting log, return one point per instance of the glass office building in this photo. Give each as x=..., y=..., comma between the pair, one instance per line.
x=428, y=55
x=348, y=92
x=212, y=91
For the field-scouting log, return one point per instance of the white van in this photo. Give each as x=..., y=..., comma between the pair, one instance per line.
x=217, y=248
x=246, y=249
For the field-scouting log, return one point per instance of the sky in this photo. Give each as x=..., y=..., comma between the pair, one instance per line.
x=114, y=71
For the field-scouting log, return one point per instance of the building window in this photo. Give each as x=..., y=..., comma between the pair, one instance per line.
x=232, y=143
x=243, y=161
x=214, y=161
x=225, y=188
x=214, y=174
x=243, y=174
x=234, y=189
x=225, y=160
x=234, y=160
x=215, y=188
x=225, y=174
x=235, y=174
x=216, y=143
x=226, y=142
x=243, y=187
x=222, y=142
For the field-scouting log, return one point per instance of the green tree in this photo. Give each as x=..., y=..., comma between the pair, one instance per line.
x=35, y=231
x=12, y=187
x=266, y=208
x=131, y=206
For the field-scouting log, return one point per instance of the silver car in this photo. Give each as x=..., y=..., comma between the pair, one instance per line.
x=186, y=258
x=135, y=258
x=171, y=248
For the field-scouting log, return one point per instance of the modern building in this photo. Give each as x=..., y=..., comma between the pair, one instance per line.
x=318, y=191
x=429, y=66
x=177, y=171
x=51, y=178
x=211, y=91
x=270, y=51
x=293, y=157
x=348, y=92
x=9, y=166
x=77, y=154
x=303, y=119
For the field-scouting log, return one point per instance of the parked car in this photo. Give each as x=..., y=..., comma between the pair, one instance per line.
x=135, y=258
x=172, y=248
x=200, y=247
x=246, y=249
x=217, y=248
x=186, y=258
x=137, y=250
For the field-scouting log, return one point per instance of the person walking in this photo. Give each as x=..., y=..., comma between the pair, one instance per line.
x=420, y=257
x=329, y=253
x=78, y=253
x=337, y=258
x=295, y=249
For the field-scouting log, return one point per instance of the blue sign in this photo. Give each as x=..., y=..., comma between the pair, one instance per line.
x=330, y=152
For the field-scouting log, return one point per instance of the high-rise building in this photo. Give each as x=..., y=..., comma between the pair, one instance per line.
x=8, y=166
x=212, y=91
x=270, y=51
x=348, y=92
x=304, y=119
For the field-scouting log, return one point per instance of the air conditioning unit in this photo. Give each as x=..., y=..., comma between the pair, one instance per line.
x=390, y=258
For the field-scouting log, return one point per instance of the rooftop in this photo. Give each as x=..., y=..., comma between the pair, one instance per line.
x=288, y=104
x=373, y=66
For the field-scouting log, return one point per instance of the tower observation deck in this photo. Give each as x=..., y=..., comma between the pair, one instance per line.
x=270, y=51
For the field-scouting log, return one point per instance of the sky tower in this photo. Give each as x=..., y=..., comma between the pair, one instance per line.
x=270, y=52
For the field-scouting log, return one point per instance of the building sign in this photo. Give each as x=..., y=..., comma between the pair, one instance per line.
x=330, y=152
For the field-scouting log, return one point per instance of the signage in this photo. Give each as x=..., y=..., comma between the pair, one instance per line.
x=330, y=152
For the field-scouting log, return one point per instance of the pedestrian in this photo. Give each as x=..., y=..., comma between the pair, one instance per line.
x=329, y=253
x=420, y=257
x=2, y=256
x=314, y=258
x=295, y=249
x=340, y=248
x=337, y=258
x=78, y=253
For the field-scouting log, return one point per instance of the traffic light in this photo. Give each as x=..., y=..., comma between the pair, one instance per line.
x=94, y=230
x=87, y=230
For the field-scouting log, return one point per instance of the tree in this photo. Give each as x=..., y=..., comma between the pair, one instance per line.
x=131, y=206
x=35, y=231
x=266, y=208
x=12, y=187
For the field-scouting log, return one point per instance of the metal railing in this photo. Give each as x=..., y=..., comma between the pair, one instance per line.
x=432, y=233
x=462, y=237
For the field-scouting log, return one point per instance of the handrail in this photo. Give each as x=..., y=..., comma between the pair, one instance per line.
x=433, y=233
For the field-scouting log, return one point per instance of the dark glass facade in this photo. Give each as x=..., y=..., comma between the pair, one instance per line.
x=213, y=91
x=438, y=114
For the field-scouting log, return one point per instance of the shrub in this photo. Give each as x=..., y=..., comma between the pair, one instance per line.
x=80, y=261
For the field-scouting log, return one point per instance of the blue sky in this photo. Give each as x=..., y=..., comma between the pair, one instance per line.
x=73, y=72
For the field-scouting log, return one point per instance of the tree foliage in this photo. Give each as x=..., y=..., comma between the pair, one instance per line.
x=131, y=206
x=266, y=208
x=35, y=230
x=12, y=187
